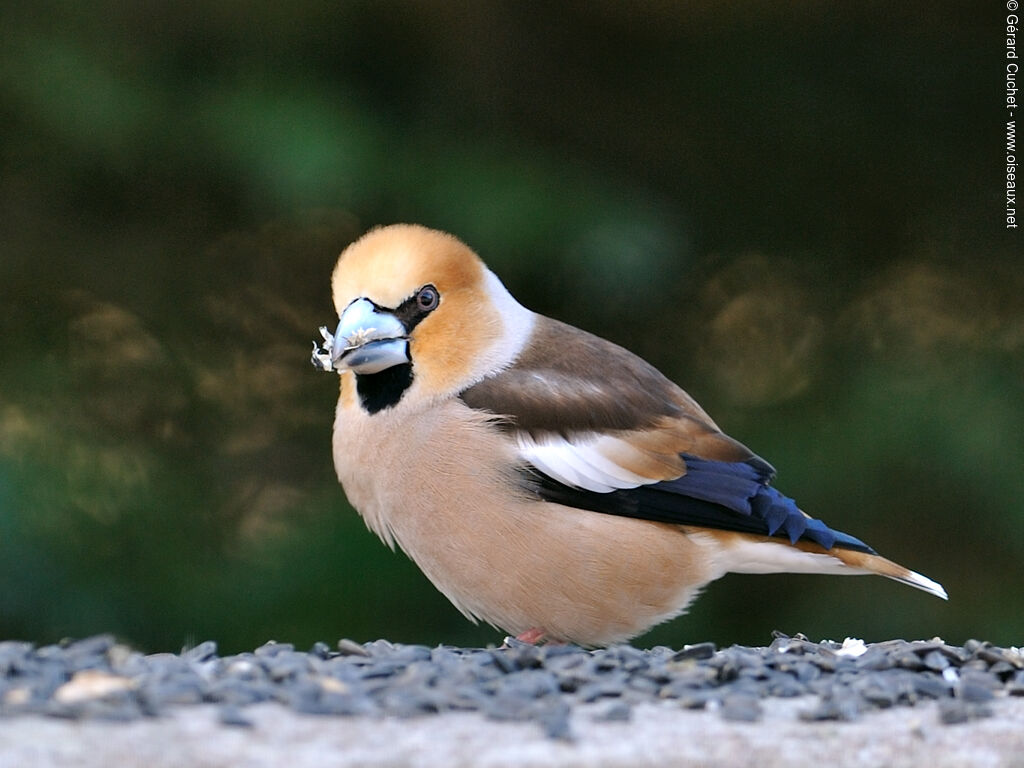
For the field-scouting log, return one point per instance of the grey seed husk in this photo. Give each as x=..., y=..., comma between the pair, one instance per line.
x=100, y=678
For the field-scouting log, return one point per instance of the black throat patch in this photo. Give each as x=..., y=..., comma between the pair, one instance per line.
x=378, y=391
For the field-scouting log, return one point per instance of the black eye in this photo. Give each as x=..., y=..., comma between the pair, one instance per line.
x=427, y=298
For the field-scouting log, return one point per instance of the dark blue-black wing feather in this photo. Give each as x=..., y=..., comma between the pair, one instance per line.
x=728, y=496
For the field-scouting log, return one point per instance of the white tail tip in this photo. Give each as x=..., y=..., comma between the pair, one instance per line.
x=924, y=583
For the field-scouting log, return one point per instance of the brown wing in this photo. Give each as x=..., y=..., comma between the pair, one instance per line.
x=598, y=428
x=580, y=400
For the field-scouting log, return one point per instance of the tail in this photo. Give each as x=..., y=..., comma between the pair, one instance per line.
x=747, y=553
x=871, y=563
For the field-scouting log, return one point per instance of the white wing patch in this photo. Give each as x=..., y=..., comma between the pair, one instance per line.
x=584, y=462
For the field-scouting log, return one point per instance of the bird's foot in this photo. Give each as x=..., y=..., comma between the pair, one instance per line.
x=532, y=636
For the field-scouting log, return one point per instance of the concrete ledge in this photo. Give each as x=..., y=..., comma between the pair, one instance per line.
x=661, y=734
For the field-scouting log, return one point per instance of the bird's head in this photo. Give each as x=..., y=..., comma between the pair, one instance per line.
x=420, y=315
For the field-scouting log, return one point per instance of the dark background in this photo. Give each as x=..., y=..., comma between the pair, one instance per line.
x=793, y=209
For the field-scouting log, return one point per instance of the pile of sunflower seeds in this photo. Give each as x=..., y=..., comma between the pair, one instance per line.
x=100, y=678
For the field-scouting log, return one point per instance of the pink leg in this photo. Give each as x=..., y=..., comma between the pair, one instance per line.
x=532, y=636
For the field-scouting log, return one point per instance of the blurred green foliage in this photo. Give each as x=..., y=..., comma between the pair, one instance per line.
x=793, y=212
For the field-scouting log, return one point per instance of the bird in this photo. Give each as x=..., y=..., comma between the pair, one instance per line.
x=547, y=481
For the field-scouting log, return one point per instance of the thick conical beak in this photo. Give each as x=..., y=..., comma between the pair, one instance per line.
x=368, y=339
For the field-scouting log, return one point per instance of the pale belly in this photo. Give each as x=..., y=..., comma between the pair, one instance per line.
x=442, y=485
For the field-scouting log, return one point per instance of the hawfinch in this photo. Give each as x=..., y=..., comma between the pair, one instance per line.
x=545, y=480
